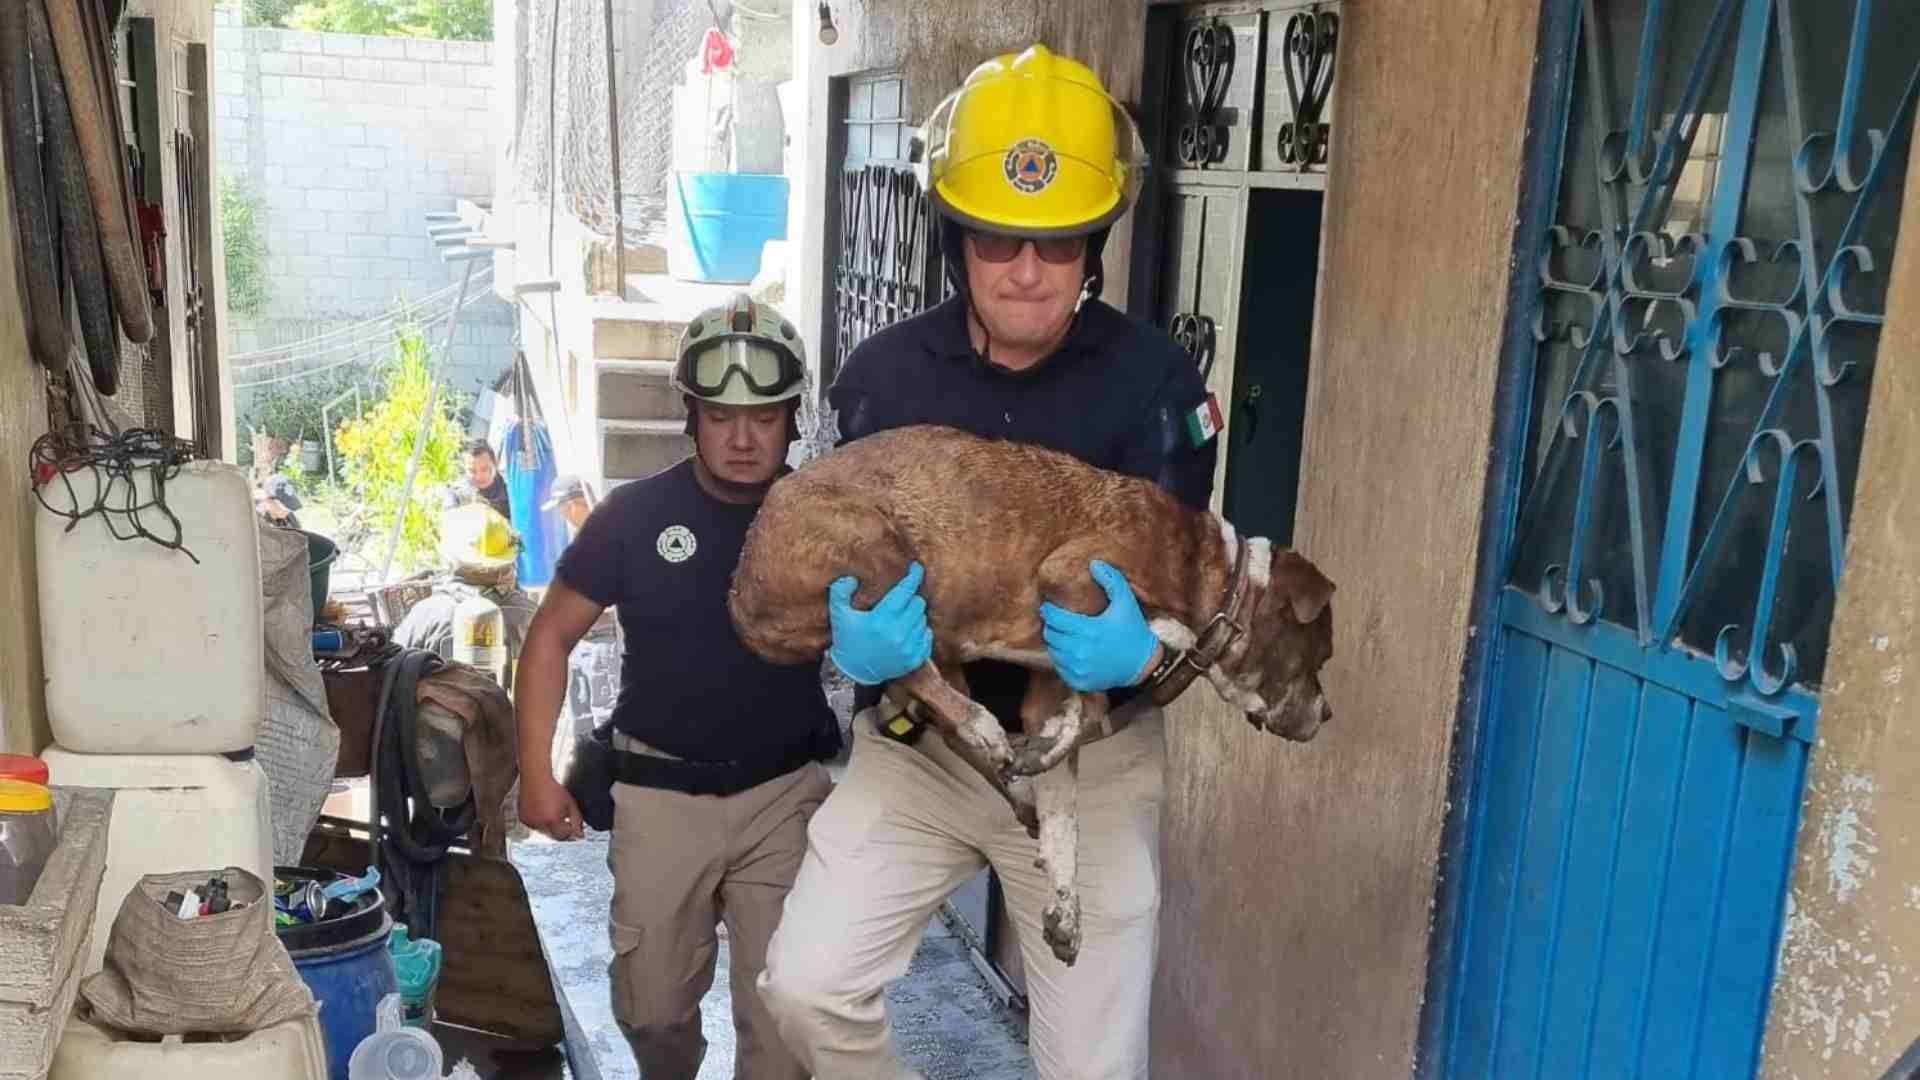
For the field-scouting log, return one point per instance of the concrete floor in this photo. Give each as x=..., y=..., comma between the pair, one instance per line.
x=948, y=1025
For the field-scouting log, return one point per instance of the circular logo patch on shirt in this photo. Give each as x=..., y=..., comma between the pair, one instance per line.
x=1030, y=166
x=676, y=543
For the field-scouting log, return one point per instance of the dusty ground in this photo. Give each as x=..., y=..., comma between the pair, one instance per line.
x=947, y=1025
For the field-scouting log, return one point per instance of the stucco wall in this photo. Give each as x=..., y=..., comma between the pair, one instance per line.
x=1846, y=1001
x=1298, y=878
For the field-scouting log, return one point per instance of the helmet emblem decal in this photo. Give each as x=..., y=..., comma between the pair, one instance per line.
x=1031, y=165
x=676, y=544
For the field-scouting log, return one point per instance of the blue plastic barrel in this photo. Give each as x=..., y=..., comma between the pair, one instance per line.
x=349, y=970
x=719, y=222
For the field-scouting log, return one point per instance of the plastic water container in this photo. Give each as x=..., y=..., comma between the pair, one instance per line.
x=27, y=837
x=146, y=650
x=345, y=962
x=169, y=812
x=292, y=1050
x=394, y=1052
x=718, y=222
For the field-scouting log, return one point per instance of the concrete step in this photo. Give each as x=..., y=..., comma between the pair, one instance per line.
x=632, y=449
x=647, y=324
x=637, y=390
x=618, y=336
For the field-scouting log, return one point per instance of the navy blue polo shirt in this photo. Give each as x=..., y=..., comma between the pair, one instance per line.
x=1116, y=395
x=661, y=552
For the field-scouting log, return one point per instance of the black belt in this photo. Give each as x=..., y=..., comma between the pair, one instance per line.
x=705, y=777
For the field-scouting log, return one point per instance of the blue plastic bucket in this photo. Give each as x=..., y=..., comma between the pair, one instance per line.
x=719, y=222
x=345, y=962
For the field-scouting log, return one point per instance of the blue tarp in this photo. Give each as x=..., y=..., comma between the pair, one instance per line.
x=527, y=455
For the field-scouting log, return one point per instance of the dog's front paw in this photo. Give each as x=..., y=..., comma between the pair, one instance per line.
x=1035, y=754
x=1060, y=926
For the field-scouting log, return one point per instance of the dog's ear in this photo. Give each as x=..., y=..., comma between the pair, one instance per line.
x=1304, y=586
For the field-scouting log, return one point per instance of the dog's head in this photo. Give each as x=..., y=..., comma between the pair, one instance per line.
x=1273, y=670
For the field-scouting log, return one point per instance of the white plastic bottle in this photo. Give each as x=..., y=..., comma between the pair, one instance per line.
x=395, y=1051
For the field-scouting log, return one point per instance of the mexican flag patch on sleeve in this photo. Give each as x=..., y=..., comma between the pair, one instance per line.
x=1205, y=421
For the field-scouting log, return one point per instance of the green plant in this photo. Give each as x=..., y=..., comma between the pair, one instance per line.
x=247, y=288
x=380, y=18
x=455, y=20
x=374, y=452
x=462, y=20
x=267, y=13
x=292, y=410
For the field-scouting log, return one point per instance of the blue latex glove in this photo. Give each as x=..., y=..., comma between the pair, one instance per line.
x=1094, y=653
x=885, y=642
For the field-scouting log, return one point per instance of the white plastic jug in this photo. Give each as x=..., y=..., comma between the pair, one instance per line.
x=394, y=1051
x=148, y=651
x=294, y=1050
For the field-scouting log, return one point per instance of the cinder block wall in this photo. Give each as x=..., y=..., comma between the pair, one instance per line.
x=348, y=142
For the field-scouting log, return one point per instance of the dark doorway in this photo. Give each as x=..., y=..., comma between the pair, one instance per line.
x=1269, y=402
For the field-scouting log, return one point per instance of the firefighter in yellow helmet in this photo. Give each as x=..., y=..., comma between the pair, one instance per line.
x=1029, y=165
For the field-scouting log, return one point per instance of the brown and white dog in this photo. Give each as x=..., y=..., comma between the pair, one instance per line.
x=1000, y=527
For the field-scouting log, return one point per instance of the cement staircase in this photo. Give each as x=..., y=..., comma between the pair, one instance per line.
x=640, y=419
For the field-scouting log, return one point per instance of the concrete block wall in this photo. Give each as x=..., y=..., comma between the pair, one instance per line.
x=348, y=142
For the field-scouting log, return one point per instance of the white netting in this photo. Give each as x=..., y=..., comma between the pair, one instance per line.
x=564, y=118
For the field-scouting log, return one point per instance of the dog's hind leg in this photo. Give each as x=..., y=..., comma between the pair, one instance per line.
x=974, y=734
x=1057, y=793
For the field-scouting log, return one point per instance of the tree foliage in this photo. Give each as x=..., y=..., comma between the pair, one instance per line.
x=267, y=13
x=458, y=20
x=375, y=449
x=247, y=288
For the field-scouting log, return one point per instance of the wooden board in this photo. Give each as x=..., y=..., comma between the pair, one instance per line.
x=494, y=974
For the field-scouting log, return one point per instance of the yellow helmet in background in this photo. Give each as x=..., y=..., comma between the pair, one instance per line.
x=475, y=536
x=1032, y=145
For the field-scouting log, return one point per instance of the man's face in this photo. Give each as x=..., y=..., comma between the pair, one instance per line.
x=575, y=510
x=742, y=444
x=481, y=470
x=1025, y=301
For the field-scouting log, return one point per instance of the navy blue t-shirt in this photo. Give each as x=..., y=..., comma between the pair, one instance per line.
x=661, y=552
x=1116, y=395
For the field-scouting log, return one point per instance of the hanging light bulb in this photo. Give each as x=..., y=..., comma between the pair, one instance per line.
x=828, y=32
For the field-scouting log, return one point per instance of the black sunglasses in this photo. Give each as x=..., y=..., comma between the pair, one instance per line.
x=1058, y=250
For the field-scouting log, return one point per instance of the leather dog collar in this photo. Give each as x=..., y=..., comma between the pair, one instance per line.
x=1219, y=634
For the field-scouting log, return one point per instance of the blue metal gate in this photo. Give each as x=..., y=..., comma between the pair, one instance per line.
x=1725, y=181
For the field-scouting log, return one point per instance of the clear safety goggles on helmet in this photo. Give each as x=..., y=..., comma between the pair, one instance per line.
x=1031, y=155
x=767, y=371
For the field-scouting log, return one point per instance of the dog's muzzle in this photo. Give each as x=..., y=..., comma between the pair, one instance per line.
x=1299, y=714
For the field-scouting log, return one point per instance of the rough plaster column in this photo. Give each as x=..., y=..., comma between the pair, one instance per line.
x=1297, y=878
x=1846, y=1002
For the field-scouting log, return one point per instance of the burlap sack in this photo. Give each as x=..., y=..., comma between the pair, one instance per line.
x=218, y=974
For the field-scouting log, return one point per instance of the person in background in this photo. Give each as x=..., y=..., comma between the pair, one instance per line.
x=277, y=500
x=483, y=479
x=571, y=496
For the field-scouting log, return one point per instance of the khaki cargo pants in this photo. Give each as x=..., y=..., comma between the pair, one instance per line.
x=682, y=864
x=908, y=825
